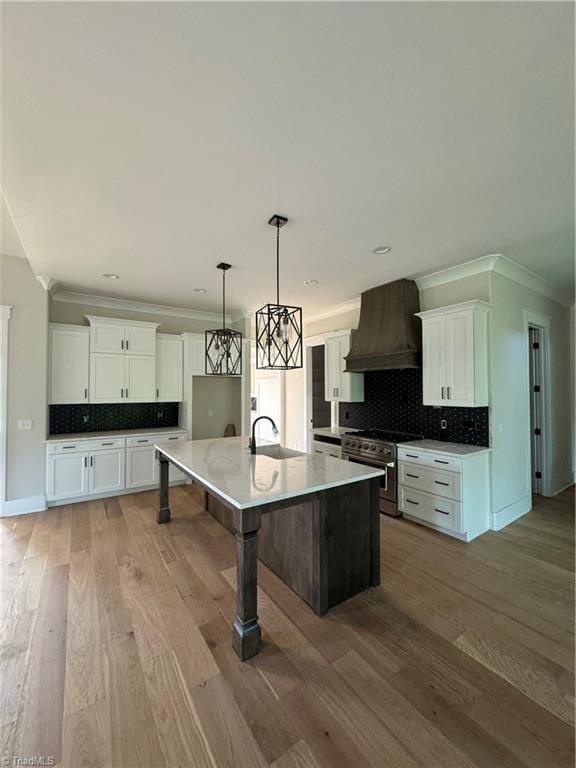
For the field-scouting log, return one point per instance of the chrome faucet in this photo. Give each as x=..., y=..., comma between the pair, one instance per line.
x=252, y=443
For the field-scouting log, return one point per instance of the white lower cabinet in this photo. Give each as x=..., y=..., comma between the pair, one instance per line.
x=445, y=486
x=327, y=449
x=104, y=467
x=67, y=475
x=106, y=471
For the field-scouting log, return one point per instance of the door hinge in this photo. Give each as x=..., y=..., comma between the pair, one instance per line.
x=536, y=345
x=538, y=475
x=537, y=431
x=536, y=387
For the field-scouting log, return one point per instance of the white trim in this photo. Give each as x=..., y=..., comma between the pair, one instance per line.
x=536, y=319
x=441, y=311
x=512, y=512
x=108, y=495
x=46, y=282
x=5, y=314
x=348, y=306
x=501, y=265
x=119, y=320
x=566, y=482
x=129, y=305
x=23, y=506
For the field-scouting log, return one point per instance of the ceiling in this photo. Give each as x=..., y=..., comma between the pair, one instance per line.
x=154, y=140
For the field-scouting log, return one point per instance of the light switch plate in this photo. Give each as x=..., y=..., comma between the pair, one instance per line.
x=25, y=424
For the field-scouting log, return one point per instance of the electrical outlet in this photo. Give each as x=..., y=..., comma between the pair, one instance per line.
x=443, y=424
x=25, y=424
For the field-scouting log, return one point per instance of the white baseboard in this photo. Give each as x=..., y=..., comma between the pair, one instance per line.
x=108, y=495
x=23, y=506
x=512, y=512
x=562, y=484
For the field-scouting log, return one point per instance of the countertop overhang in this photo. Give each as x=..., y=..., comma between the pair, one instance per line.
x=244, y=480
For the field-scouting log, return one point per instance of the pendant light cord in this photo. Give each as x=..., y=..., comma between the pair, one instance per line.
x=224, y=299
x=278, y=263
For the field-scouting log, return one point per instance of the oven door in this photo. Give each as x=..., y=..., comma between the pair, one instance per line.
x=387, y=481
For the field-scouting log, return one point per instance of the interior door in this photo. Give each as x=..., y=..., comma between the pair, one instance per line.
x=460, y=358
x=107, y=378
x=269, y=403
x=140, y=379
x=433, y=361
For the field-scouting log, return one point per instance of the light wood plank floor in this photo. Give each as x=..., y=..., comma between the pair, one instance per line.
x=115, y=647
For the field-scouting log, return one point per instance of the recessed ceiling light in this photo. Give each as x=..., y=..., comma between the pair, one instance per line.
x=110, y=275
x=310, y=282
x=382, y=249
x=199, y=290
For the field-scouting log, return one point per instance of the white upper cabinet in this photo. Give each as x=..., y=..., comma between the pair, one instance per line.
x=169, y=373
x=69, y=355
x=122, y=336
x=140, y=379
x=107, y=376
x=455, y=355
x=339, y=385
x=197, y=350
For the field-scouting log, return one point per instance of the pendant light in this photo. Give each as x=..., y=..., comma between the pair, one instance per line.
x=223, y=346
x=278, y=326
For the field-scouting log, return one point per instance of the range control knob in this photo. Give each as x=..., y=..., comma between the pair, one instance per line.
x=365, y=446
x=372, y=447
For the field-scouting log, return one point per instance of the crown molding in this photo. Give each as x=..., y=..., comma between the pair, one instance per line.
x=46, y=282
x=129, y=305
x=499, y=264
x=348, y=306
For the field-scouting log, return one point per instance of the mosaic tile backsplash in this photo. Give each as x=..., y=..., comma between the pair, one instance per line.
x=65, y=419
x=393, y=400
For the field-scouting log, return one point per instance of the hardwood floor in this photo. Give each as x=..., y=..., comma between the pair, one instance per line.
x=115, y=647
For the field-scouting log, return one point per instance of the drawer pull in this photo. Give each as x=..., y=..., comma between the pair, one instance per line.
x=173, y=438
x=441, y=511
x=412, y=502
x=414, y=476
x=412, y=456
x=440, y=461
x=439, y=482
x=106, y=443
x=68, y=447
x=141, y=441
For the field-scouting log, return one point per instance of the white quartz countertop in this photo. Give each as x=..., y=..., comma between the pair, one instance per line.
x=450, y=449
x=333, y=431
x=113, y=433
x=227, y=467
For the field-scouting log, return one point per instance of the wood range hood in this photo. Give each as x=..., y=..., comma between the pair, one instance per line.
x=389, y=334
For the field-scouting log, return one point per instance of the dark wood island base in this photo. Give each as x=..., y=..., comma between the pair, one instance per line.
x=324, y=545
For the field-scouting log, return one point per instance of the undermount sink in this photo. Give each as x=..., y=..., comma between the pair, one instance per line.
x=277, y=452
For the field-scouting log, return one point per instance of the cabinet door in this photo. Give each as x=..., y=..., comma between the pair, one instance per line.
x=434, y=361
x=67, y=475
x=107, y=378
x=197, y=357
x=140, y=379
x=139, y=340
x=69, y=366
x=106, y=337
x=460, y=358
x=349, y=386
x=169, y=358
x=331, y=375
x=106, y=470
x=140, y=466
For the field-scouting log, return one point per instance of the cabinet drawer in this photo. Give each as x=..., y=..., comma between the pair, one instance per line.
x=433, y=509
x=434, y=481
x=169, y=439
x=97, y=445
x=437, y=460
x=74, y=446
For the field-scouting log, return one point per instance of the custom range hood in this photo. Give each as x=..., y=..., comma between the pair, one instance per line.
x=389, y=334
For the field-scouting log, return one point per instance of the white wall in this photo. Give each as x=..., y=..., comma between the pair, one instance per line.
x=511, y=471
x=27, y=382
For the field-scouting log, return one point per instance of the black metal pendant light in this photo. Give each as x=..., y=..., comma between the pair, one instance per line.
x=278, y=326
x=223, y=346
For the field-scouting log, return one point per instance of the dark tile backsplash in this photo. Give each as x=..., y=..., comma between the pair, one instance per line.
x=393, y=400
x=65, y=419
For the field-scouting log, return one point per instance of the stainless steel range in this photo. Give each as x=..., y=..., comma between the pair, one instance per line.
x=377, y=448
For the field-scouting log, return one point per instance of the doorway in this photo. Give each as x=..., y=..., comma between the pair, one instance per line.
x=537, y=330
x=268, y=400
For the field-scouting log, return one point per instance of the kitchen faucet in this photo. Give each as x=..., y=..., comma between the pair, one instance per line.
x=252, y=443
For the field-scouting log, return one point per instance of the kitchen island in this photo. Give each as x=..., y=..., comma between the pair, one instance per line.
x=313, y=520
